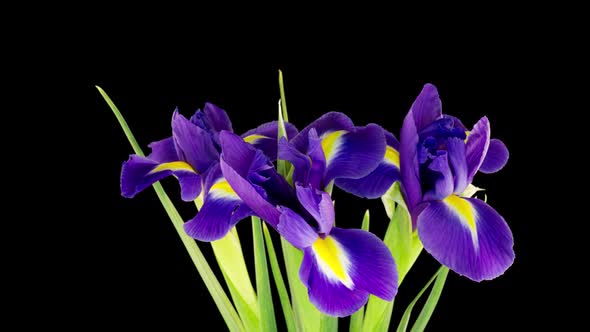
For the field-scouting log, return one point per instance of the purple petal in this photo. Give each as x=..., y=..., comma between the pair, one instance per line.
x=139, y=173
x=163, y=151
x=319, y=205
x=427, y=107
x=271, y=129
x=214, y=219
x=477, y=145
x=300, y=161
x=193, y=144
x=236, y=153
x=217, y=118
x=457, y=161
x=391, y=140
x=355, y=154
x=408, y=155
x=442, y=177
x=264, y=137
x=295, y=229
x=496, y=158
x=468, y=236
x=372, y=267
x=331, y=298
x=328, y=122
x=248, y=193
x=316, y=154
x=373, y=185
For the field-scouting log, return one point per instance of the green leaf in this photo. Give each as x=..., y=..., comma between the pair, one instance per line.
x=265, y=305
x=307, y=317
x=403, y=324
x=230, y=259
x=225, y=307
x=431, y=302
x=279, y=282
x=356, y=320
x=328, y=323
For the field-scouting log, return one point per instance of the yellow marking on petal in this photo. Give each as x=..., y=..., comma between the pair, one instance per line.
x=222, y=188
x=465, y=211
x=332, y=260
x=467, y=133
x=173, y=166
x=253, y=138
x=392, y=156
x=331, y=144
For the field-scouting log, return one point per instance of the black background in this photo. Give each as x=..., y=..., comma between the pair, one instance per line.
x=119, y=262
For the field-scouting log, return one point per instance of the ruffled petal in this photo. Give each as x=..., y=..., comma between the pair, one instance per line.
x=468, y=236
x=193, y=144
x=496, y=158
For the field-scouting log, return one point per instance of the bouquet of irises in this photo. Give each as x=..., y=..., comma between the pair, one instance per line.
x=281, y=178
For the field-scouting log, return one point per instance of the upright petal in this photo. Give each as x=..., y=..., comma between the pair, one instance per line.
x=496, y=158
x=438, y=177
x=217, y=118
x=300, y=161
x=458, y=163
x=319, y=205
x=409, y=167
x=468, y=236
x=193, y=144
x=295, y=229
x=329, y=122
x=476, y=146
x=354, y=154
x=427, y=107
x=163, y=151
x=264, y=137
x=139, y=173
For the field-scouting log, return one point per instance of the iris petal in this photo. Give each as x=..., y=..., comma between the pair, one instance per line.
x=496, y=158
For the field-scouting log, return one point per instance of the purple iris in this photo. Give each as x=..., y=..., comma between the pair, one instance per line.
x=439, y=158
x=361, y=160
x=341, y=267
x=192, y=155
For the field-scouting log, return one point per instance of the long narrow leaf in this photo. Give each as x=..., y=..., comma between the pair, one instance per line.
x=221, y=300
x=283, y=100
x=279, y=282
x=356, y=320
x=328, y=323
x=403, y=324
x=431, y=302
x=265, y=305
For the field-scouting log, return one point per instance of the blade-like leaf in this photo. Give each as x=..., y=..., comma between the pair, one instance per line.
x=356, y=320
x=432, y=300
x=328, y=323
x=230, y=259
x=265, y=305
x=283, y=100
x=221, y=300
x=403, y=324
x=279, y=282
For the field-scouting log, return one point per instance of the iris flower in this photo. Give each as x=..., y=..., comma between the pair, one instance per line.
x=192, y=156
x=361, y=160
x=340, y=267
x=439, y=158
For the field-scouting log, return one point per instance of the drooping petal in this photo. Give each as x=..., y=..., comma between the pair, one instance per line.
x=216, y=216
x=372, y=267
x=295, y=229
x=378, y=181
x=353, y=154
x=264, y=137
x=139, y=173
x=496, y=158
x=438, y=177
x=457, y=161
x=476, y=146
x=391, y=140
x=329, y=122
x=319, y=205
x=193, y=144
x=468, y=236
x=329, y=296
x=163, y=151
x=427, y=107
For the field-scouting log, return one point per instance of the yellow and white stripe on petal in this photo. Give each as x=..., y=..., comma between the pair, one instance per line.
x=254, y=138
x=331, y=144
x=333, y=261
x=222, y=189
x=173, y=166
x=391, y=156
x=466, y=213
